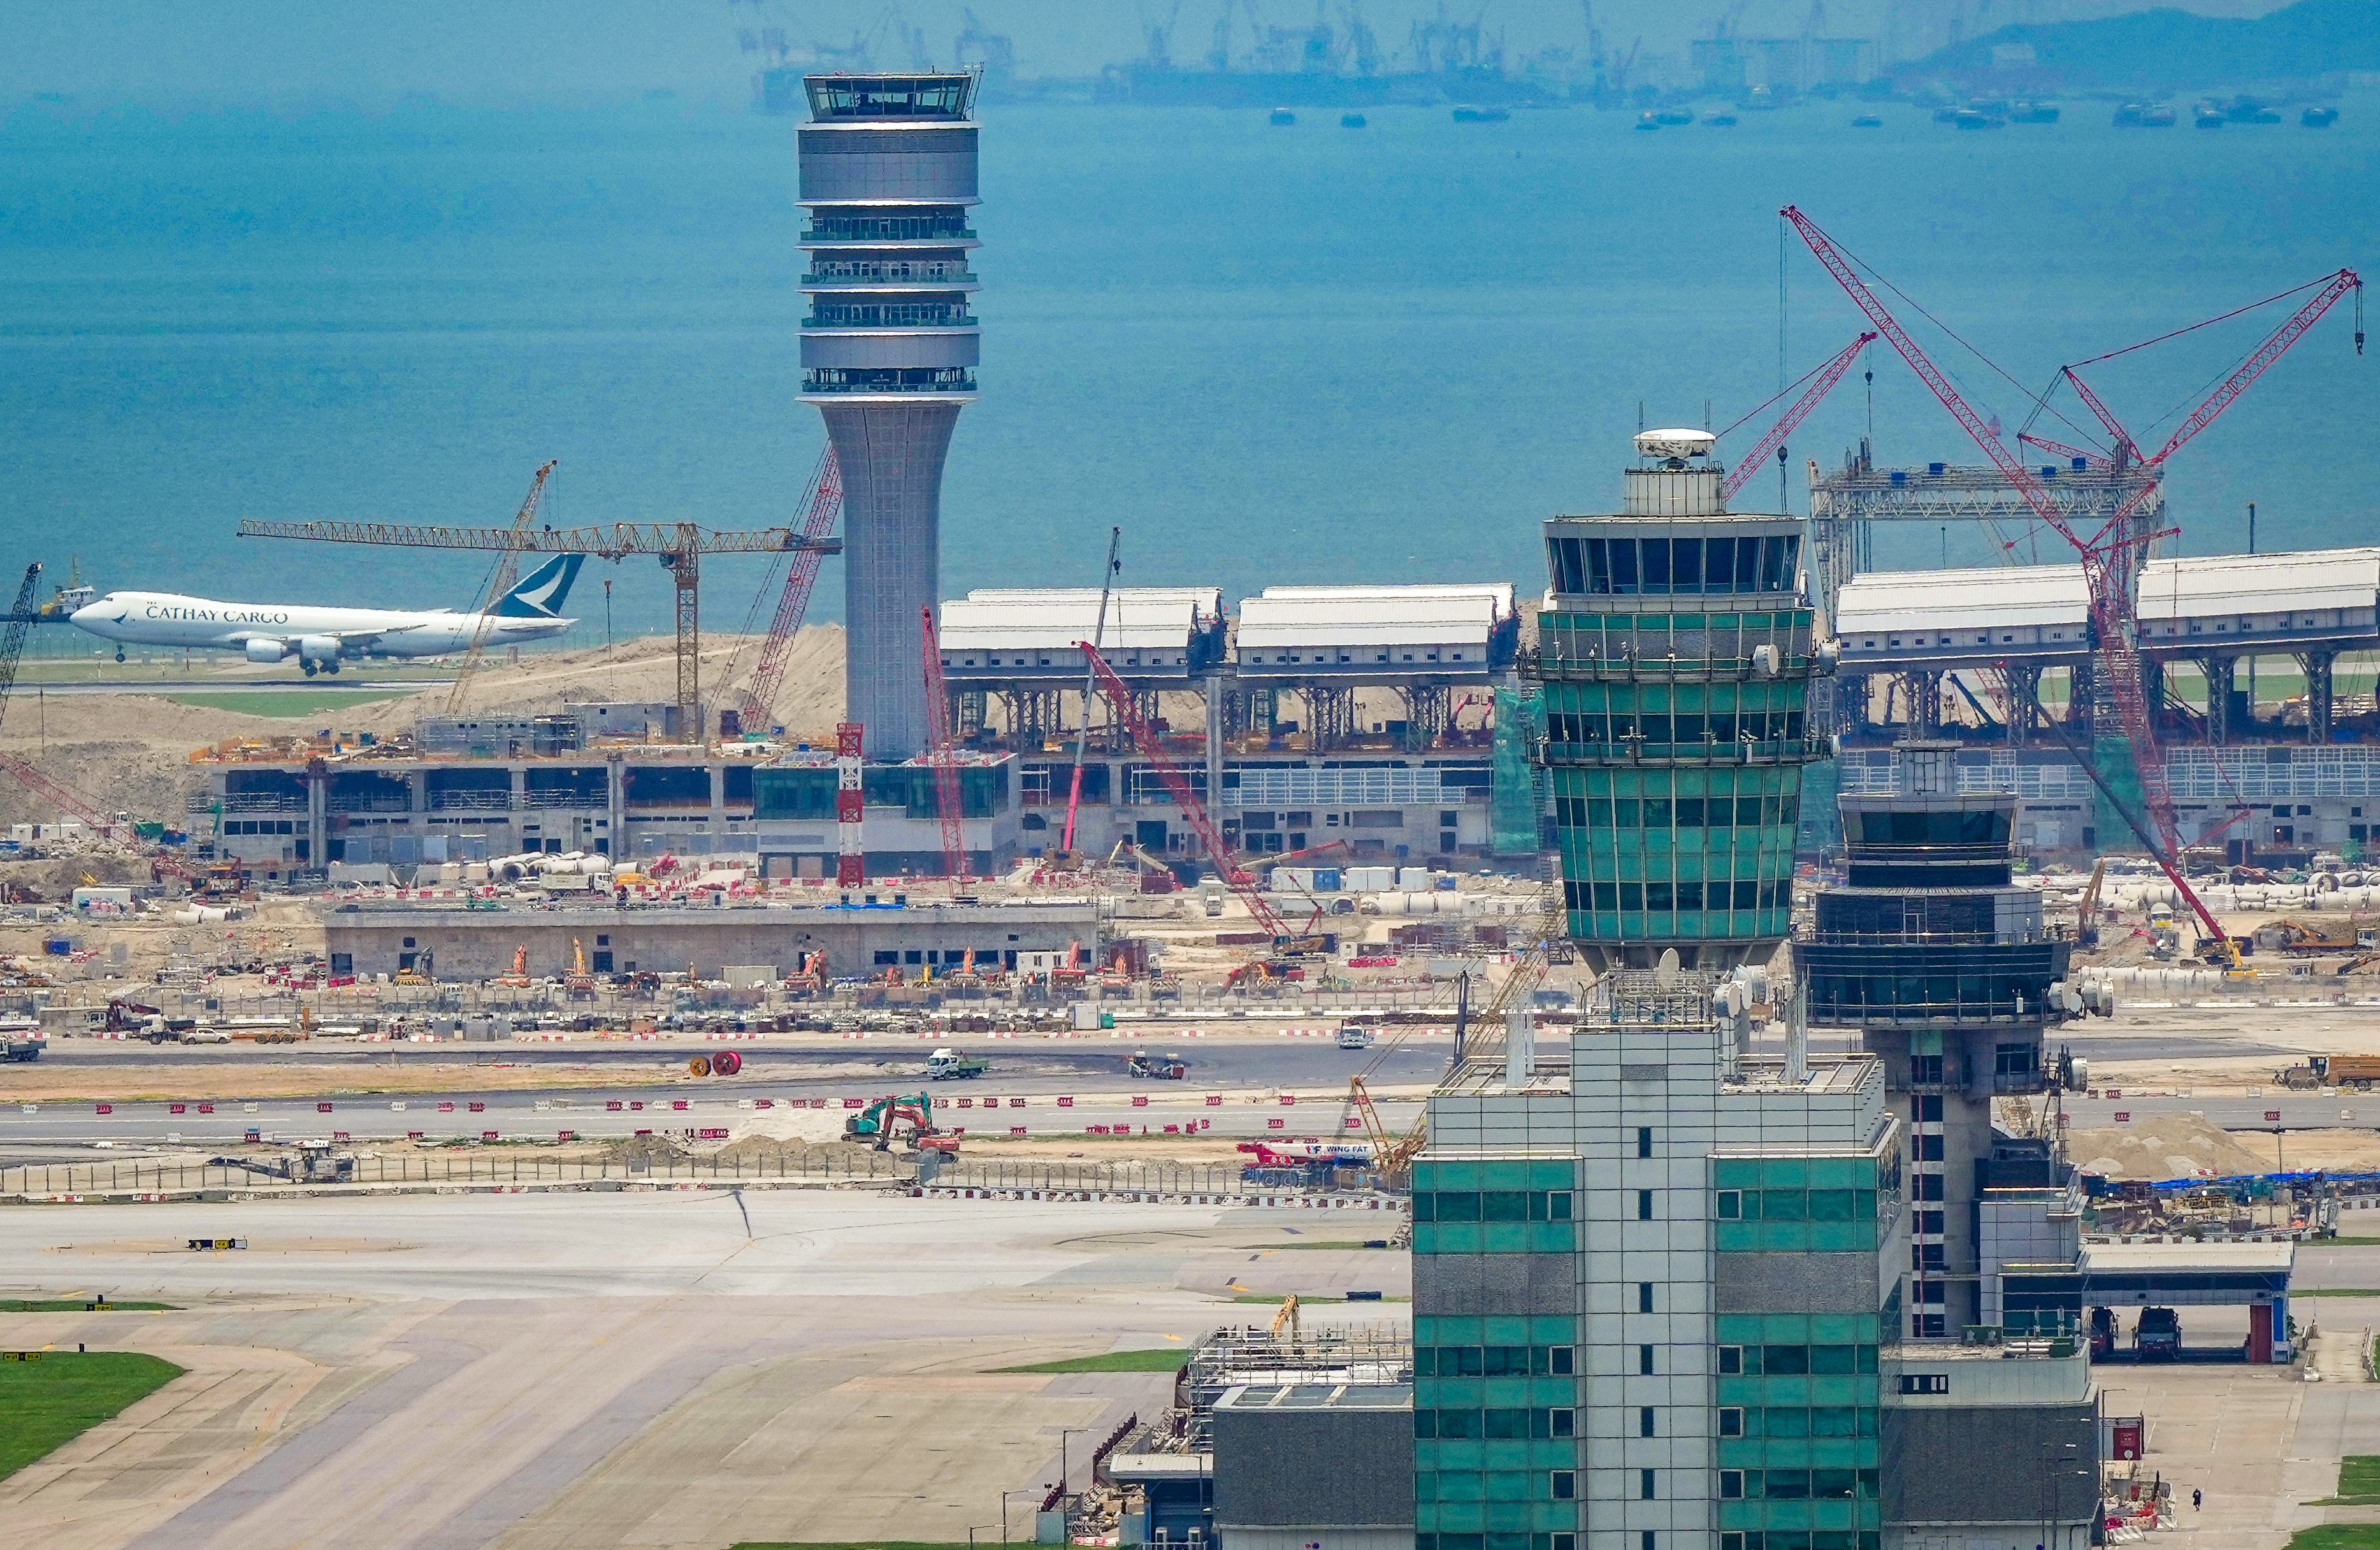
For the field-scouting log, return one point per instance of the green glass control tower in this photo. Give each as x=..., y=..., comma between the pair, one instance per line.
x=1676, y=657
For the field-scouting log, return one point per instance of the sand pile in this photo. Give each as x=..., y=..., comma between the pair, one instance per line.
x=2163, y=1146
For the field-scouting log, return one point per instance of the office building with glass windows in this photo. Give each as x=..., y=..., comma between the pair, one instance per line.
x=1675, y=656
x=1651, y=1281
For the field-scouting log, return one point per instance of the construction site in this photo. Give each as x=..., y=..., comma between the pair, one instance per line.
x=1840, y=1014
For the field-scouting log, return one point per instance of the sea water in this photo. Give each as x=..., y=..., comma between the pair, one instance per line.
x=1305, y=353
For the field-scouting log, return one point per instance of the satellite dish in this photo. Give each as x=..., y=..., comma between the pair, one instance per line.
x=1665, y=974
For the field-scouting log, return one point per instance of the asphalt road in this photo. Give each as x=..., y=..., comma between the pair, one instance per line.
x=1024, y=1083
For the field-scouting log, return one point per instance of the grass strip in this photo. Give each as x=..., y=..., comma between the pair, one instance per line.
x=286, y=702
x=77, y=1305
x=1154, y=1360
x=57, y=1396
x=2337, y=1536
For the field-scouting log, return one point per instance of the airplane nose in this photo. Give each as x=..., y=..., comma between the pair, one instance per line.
x=91, y=615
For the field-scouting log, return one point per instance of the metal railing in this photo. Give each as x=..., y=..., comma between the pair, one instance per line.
x=825, y=1165
x=470, y=801
x=1129, y=1178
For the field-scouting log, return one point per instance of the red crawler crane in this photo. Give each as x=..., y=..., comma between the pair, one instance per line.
x=2110, y=566
x=943, y=755
x=1822, y=381
x=801, y=575
x=1185, y=796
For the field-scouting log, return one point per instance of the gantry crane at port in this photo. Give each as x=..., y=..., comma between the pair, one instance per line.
x=679, y=545
x=2110, y=558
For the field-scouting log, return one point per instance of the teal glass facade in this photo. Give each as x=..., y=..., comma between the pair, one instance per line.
x=1676, y=732
x=1800, y=1402
x=1496, y=1400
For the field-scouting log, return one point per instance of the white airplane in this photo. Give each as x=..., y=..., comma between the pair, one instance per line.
x=320, y=638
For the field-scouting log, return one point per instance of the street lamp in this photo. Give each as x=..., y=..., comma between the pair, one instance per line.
x=1066, y=1479
x=1003, y=1507
x=2049, y=1454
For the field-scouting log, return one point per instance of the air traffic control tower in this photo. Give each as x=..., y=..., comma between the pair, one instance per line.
x=1675, y=653
x=889, y=351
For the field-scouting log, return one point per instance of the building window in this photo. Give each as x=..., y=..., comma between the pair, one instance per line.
x=1643, y=1206
x=1731, y=1360
x=1565, y=1482
x=1644, y=1484
x=1731, y=1421
x=1643, y=1297
x=1730, y=1489
x=1731, y=1206
x=1565, y=1360
x=1645, y=1360
x=1647, y=1540
x=1643, y=1141
x=888, y=956
x=1925, y=1382
x=1645, y=1421
x=1562, y=1423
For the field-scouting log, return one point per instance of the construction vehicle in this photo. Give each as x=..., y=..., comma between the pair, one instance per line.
x=2086, y=912
x=1168, y=1067
x=1287, y=1319
x=679, y=545
x=21, y=1040
x=1354, y=1035
x=949, y=1065
x=725, y=1063
x=2111, y=557
x=2103, y=1334
x=2297, y=939
x=2157, y=1336
x=880, y=1123
x=308, y=1162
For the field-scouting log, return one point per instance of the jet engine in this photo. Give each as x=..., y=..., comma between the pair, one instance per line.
x=319, y=652
x=262, y=648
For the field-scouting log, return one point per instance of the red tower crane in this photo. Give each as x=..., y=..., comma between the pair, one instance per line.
x=1186, y=795
x=1822, y=381
x=2108, y=566
x=943, y=753
x=825, y=505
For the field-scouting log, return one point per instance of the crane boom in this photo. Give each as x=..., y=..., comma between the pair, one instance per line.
x=1083, y=738
x=1186, y=795
x=2271, y=350
x=2106, y=568
x=1828, y=375
x=605, y=541
x=499, y=581
x=20, y=619
x=801, y=576
x=943, y=753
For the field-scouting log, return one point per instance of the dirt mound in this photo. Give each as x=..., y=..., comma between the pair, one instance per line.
x=644, y=1149
x=2163, y=1146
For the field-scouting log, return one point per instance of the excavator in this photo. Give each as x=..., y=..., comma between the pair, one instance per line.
x=880, y=1124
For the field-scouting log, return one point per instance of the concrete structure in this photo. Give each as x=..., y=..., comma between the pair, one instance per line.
x=1676, y=657
x=1845, y=504
x=1658, y=1296
x=877, y=929
x=1301, y=1465
x=1948, y=972
x=889, y=351
x=2214, y=614
x=1322, y=643
x=1607, y=1310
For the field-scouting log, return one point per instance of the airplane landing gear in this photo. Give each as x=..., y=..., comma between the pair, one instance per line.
x=309, y=666
x=119, y=653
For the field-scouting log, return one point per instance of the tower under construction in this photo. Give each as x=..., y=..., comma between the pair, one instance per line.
x=889, y=351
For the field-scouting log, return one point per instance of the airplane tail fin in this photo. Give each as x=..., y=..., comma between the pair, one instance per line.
x=541, y=594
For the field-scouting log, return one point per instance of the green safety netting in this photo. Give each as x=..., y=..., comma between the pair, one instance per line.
x=1517, y=799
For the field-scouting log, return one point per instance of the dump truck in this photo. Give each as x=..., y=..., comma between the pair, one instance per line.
x=2358, y=1072
x=950, y=1065
x=21, y=1041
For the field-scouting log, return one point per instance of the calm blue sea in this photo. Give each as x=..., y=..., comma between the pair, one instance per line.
x=1305, y=353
